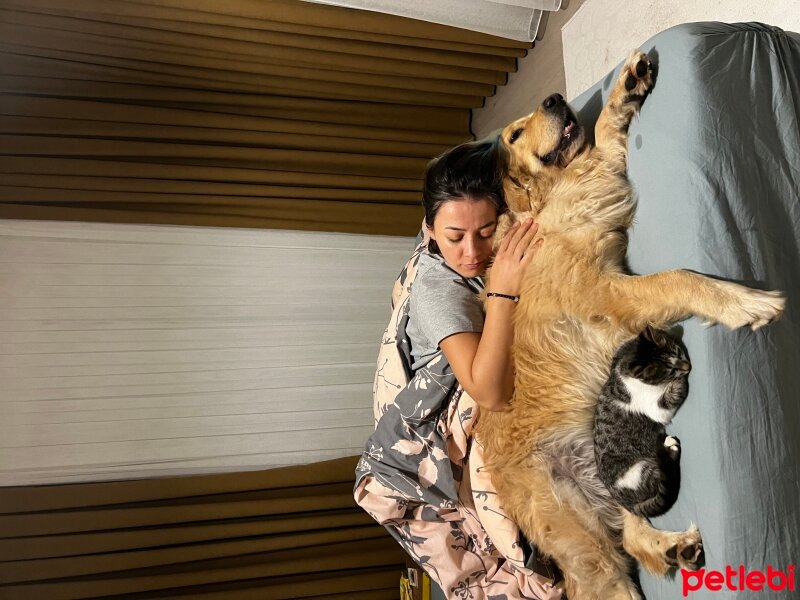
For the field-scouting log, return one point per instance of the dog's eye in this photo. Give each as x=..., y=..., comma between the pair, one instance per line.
x=549, y=157
x=514, y=135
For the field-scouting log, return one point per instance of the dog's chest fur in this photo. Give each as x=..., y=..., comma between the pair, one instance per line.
x=589, y=198
x=583, y=219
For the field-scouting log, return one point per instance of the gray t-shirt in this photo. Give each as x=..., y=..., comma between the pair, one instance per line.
x=441, y=303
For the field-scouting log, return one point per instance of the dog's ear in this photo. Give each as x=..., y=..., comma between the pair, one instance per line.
x=525, y=192
x=516, y=195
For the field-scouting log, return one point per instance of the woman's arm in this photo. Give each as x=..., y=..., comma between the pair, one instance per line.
x=481, y=362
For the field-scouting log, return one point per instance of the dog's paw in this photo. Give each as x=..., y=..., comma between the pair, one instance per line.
x=687, y=551
x=637, y=76
x=673, y=447
x=755, y=308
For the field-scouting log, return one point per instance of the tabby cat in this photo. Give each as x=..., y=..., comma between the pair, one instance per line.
x=636, y=459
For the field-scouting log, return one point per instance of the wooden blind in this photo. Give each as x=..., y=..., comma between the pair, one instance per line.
x=284, y=533
x=254, y=113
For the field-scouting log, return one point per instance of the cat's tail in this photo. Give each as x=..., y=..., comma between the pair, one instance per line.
x=652, y=507
x=653, y=494
x=659, y=490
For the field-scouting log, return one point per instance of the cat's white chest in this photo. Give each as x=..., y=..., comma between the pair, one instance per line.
x=644, y=400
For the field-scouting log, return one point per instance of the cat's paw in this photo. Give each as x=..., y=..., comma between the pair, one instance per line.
x=687, y=552
x=748, y=306
x=673, y=447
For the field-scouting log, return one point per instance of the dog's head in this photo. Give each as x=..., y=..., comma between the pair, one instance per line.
x=538, y=146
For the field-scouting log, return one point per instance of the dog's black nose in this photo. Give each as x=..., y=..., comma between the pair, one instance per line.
x=553, y=100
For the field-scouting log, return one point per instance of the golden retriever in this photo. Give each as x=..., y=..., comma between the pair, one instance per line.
x=579, y=304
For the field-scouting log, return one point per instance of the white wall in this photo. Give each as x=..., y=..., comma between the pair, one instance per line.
x=142, y=351
x=603, y=32
x=587, y=38
x=538, y=75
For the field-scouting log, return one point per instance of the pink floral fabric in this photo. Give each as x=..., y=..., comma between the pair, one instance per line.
x=421, y=474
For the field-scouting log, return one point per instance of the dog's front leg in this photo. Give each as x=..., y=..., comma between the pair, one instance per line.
x=611, y=130
x=633, y=302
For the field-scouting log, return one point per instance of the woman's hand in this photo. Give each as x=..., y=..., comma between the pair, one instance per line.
x=512, y=257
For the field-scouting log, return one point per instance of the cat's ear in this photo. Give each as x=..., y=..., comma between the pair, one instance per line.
x=660, y=338
x=655, y=336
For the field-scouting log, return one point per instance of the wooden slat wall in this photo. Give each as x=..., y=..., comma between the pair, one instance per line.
x=241, y=113
x=285, y=533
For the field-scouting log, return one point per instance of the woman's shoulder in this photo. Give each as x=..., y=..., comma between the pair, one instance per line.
x=441, y=303
x=434, y=277
x=432, y=267
x=432, y=270
x=441, y=286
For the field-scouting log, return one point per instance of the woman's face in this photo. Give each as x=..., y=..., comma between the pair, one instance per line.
x=463, y=229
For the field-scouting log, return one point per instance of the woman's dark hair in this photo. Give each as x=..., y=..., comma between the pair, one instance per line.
x=471, y=171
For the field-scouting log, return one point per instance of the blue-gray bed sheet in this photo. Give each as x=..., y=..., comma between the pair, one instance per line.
x=715, y=161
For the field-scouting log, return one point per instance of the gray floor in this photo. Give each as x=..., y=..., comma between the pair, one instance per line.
x=436, y=592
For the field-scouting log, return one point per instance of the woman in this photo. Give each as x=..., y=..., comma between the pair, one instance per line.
x=416, y=475
x=463, y=197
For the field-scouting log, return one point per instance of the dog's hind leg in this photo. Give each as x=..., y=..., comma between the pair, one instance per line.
x=661, y=552
x=593, y=565
x=611, y=130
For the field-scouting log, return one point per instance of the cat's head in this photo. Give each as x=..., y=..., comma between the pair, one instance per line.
x=654, y=357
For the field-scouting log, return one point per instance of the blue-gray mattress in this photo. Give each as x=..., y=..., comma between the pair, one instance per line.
x=715, y=161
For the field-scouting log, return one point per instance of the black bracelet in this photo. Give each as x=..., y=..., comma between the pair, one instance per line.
x=515, y=299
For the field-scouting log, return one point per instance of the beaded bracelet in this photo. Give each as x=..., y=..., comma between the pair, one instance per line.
x=515, y=299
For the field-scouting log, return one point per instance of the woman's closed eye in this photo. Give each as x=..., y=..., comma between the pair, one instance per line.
x=482, y=235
